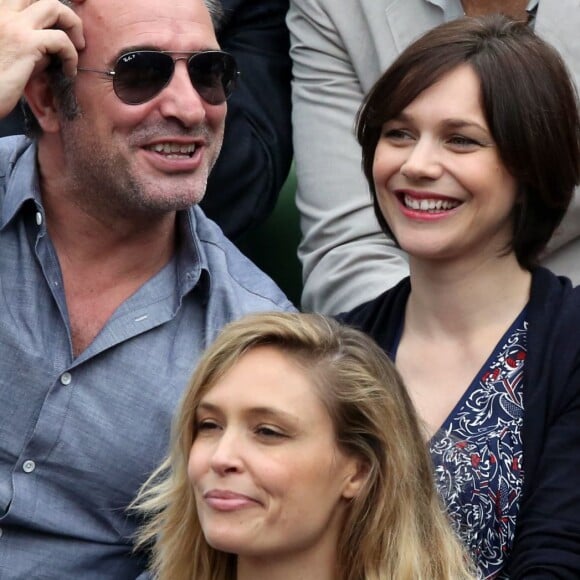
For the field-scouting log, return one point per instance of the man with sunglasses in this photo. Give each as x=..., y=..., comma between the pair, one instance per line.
x=257, y=150
x=112, y=281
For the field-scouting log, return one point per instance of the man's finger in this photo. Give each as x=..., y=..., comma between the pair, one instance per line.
x=58, y=43
x=53, y=14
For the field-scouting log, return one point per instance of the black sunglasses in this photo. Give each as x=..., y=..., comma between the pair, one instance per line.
x=140, y=75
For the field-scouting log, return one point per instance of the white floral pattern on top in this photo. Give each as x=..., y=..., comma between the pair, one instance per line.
x=478, y=455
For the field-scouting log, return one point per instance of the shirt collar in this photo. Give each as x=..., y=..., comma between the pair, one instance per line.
x=22, y=186
x=20, y=181
x=192, y=261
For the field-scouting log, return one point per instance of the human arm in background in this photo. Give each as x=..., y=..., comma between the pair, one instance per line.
x=257, y=151
x=558, y=22
x=346, y=258
x=547, y=536
x=547, y=540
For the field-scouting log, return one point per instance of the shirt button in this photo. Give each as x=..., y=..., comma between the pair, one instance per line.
x=66, y=379
x=38, y=218
x=28, y=466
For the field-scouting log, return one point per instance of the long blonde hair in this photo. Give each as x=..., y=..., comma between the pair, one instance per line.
x=395, y=528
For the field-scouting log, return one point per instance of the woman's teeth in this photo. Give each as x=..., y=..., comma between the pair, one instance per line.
x=429, y=205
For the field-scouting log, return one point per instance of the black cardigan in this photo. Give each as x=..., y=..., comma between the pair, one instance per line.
x=547, y=536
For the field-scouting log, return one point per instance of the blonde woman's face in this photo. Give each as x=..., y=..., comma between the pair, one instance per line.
x=268, y=478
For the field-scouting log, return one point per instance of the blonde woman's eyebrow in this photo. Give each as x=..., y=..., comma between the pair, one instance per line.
x=289, y=419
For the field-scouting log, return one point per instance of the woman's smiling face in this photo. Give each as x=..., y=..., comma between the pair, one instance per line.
x=268, y=477
x=441, y=185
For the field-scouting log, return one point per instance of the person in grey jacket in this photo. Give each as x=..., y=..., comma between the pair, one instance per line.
x=339, y=49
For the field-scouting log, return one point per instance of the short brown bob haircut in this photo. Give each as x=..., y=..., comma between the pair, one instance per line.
x=528, y=100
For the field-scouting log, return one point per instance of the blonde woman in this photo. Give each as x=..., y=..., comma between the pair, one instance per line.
x=296, y=453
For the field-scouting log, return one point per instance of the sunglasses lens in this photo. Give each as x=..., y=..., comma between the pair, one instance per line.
x=213, y=75
x=140, y=75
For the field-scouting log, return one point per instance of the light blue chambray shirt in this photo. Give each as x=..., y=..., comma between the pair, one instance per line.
x=79, y=436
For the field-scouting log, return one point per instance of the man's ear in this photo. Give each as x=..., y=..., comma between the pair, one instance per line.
x=357, y=477
x=41, y=100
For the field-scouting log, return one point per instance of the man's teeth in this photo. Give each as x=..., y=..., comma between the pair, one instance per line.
x=430, y=205
x=172, y=149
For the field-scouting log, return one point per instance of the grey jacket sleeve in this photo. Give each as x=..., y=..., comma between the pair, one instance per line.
x=558, y=22
x=346, y=258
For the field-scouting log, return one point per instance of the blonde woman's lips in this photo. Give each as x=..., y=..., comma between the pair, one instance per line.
x=227, y=501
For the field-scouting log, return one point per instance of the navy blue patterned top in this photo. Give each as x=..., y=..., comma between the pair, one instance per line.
x=546, y=542
x=478, y=454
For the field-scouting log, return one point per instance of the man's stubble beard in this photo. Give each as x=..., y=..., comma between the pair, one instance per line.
x=105, y=183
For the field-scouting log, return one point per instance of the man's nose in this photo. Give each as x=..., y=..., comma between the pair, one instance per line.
x=180, y=100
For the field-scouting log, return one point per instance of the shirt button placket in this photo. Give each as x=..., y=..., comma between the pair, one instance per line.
x=28, y=466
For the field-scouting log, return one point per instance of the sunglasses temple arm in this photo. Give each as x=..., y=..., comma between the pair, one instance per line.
x=109, y=73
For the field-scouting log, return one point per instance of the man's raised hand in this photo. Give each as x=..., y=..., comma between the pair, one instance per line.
x=30, y=33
